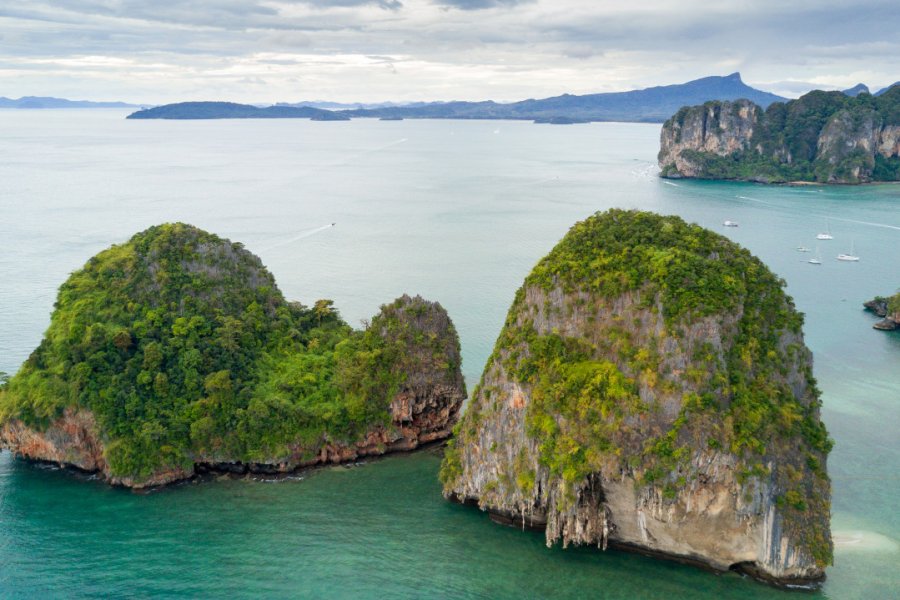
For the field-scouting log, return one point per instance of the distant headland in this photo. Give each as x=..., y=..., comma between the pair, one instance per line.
x=823, y=137
x=50, y=102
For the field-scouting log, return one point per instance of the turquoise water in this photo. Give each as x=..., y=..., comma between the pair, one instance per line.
x=456, y=211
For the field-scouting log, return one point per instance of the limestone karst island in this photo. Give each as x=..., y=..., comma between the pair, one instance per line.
x=175, y=353
x=651, y=390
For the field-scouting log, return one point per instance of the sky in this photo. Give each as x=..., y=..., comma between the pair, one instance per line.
x=261, y=51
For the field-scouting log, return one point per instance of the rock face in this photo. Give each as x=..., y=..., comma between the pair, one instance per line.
x=719, y=128
x=826, y=137
x=651, y=390
x=176, y=353
x=889, y=311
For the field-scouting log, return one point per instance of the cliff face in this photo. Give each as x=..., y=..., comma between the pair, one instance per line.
x=824, y=136
x=620, y=409
x=175, y=353
x=720, y=128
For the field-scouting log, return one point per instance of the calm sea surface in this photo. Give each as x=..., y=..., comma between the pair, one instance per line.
x=458, y=212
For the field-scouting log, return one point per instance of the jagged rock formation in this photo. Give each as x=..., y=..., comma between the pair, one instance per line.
x=825, y=137
x=176, y=353
x=889, y=311
x=651, y=390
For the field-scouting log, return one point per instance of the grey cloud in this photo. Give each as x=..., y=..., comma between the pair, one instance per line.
x=481, y=4
x=385, y=4
x=526, y=47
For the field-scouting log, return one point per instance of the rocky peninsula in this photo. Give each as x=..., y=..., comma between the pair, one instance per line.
x=886, y=308
x=176, y=353
x=823, y=137
x=651, y=390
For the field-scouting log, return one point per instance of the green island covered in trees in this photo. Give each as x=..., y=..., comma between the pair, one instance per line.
x=184, y=351
x=641, y=350
x=823, y=137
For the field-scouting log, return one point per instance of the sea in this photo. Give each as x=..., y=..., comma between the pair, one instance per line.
x=361, y=212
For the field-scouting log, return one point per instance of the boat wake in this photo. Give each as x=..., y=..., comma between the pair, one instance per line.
x=670, y=183
x=297, y=237
x=870, y=223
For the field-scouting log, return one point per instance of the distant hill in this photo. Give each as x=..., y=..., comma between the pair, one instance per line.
x=48, y=102
x=232, y=110
x=348, y=105
x=883, y=90
x=654, y=104
x=856, y=90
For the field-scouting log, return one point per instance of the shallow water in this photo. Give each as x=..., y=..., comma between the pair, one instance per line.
x=458, y=212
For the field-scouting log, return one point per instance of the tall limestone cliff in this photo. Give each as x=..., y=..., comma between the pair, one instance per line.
x=651, y=390
x=824, y=137
x=176, y=353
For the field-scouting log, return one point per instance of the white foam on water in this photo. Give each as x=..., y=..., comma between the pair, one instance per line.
x=863, y=541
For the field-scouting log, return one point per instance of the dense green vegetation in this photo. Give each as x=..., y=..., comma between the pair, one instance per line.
x=183, y=348
x=596, y=397
x=894, y=304
x=785, y=145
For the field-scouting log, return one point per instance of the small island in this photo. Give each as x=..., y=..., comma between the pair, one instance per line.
x=232, y=110
x=651, y=391
x=889, y=311
x=175, y=354
x=822, y=137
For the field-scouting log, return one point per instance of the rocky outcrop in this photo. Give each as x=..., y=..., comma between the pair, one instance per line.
x=73, y=439
x=825, y=137
x=889, y=311
x=175, y=353
x=615, y=410
x=719, y=128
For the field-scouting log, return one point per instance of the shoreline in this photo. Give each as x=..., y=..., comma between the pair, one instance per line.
x=209, y=472
x=798, y=183
x=520, y=521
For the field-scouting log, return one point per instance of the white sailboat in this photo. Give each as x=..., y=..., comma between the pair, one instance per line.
x=827, y=235
x=817, y=260
x=848, y=257
x=730, y=223
x=802, y=248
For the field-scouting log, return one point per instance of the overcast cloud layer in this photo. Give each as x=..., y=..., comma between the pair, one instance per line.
x=403, y=50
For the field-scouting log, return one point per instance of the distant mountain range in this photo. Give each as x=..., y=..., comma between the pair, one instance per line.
x=47, y=102
x=652, y=105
